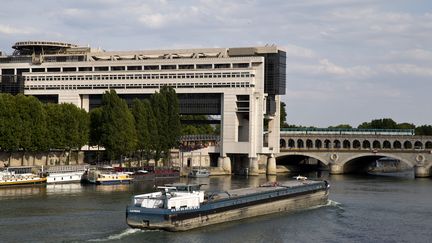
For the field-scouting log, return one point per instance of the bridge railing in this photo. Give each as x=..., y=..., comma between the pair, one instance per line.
x=348, y=131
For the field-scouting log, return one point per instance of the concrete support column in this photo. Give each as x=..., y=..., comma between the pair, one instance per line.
x=85, y=102
x=220, y=162
x=336, y=169
x=420, y=171
x=253, y=167
x=227, y=164
x=271, y=165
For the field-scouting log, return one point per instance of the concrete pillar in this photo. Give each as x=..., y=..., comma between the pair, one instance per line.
x=420, y=171
x=227, y=164
x=271, y=165
x=220, y=162
x=336, y=169
x=85, y=102
x=271, y=178
x=253, y=167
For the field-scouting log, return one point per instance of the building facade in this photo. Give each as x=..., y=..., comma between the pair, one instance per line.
x=242, y=85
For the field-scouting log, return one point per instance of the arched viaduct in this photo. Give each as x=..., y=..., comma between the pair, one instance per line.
x=347, y=152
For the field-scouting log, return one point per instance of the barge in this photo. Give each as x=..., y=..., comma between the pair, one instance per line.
x=180, y=207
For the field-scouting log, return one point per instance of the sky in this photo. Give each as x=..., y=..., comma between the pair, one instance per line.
x=348, y=61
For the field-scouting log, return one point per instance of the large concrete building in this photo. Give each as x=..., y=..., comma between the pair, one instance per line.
x=242, y=85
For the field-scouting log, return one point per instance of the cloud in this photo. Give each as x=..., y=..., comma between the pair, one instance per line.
x=9, y=30
x=407, y=69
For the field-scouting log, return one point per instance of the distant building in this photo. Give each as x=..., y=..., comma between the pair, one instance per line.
x=242, y=85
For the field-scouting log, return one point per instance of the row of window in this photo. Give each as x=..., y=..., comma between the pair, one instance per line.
x=139, y=86
x=140, y=76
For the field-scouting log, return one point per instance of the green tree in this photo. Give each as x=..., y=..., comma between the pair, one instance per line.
x=160, y=109
x=384, y=123
x=119, y=136
x=140, y=113
x=32, y=128
x=283, y=115
x=406, y=125
x=96, y=129
x=198, y=128
x=424, y=130
x=9, y=125
x=153, y=130
x=173, y=122
x=342, y=126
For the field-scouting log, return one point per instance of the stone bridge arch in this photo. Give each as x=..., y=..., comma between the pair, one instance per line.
x=360, y=161
x=318, y=156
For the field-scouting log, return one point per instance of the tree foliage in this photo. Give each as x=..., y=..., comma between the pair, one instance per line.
x=118, y=128
x=283, y=115
x=424, y=130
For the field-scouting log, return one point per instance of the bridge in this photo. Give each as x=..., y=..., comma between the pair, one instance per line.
x=352, y=150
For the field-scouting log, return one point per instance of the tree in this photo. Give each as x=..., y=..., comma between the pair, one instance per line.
x=96, y=132
x=384, y=123
x=140, y=113
x=424, y=130
x=406, y=125
x=32, y=128
x=173, y=122
x=160, y=109
x=9, y=124
x=119, y=136
x=342, y=126
x=283, y=115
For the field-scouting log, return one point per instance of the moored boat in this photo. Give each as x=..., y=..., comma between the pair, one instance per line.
x=64, y=173
x=149, y=172
x=199, y=173
x=106, y=175
x=9, y=177
x=179, y=207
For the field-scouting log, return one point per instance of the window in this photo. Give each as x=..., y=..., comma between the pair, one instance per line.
x=85, y=69
x=222, y=65
x=167, y=67
x=187, y=66
x=97, y=69
x=204, y=66
x=118, y=68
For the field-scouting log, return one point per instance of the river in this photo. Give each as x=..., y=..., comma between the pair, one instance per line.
x=361, y=209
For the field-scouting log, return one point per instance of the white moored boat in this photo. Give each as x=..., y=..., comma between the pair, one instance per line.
x=198, y=173
x=65, y=173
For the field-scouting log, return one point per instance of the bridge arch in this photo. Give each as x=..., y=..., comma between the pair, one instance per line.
x=397, y=145
x=336, y=143
x=360, y=162
x=376, y=144
x=327, y=143
x=356, y=144
x=428, y=145
x=407, y=145
x=309, y=143
x=291, y=143
x=418, y=145
x=300, y=143
x=366, y=144
x=322, y=159
x=386, y=144
x=318, y=144
x=282, y=143
x=346, y=144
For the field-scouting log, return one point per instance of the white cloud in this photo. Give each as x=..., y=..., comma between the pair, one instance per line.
x=407, y=69
x=9, y=30
x=298, y=51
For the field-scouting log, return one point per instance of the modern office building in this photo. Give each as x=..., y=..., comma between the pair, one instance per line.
x=242, y=85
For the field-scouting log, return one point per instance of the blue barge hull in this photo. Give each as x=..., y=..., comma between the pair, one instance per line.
x=232, y=205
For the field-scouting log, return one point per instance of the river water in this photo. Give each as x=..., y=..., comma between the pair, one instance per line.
x=361, y=209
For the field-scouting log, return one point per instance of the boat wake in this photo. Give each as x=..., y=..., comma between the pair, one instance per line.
x=118, y=236
x=330, y=203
